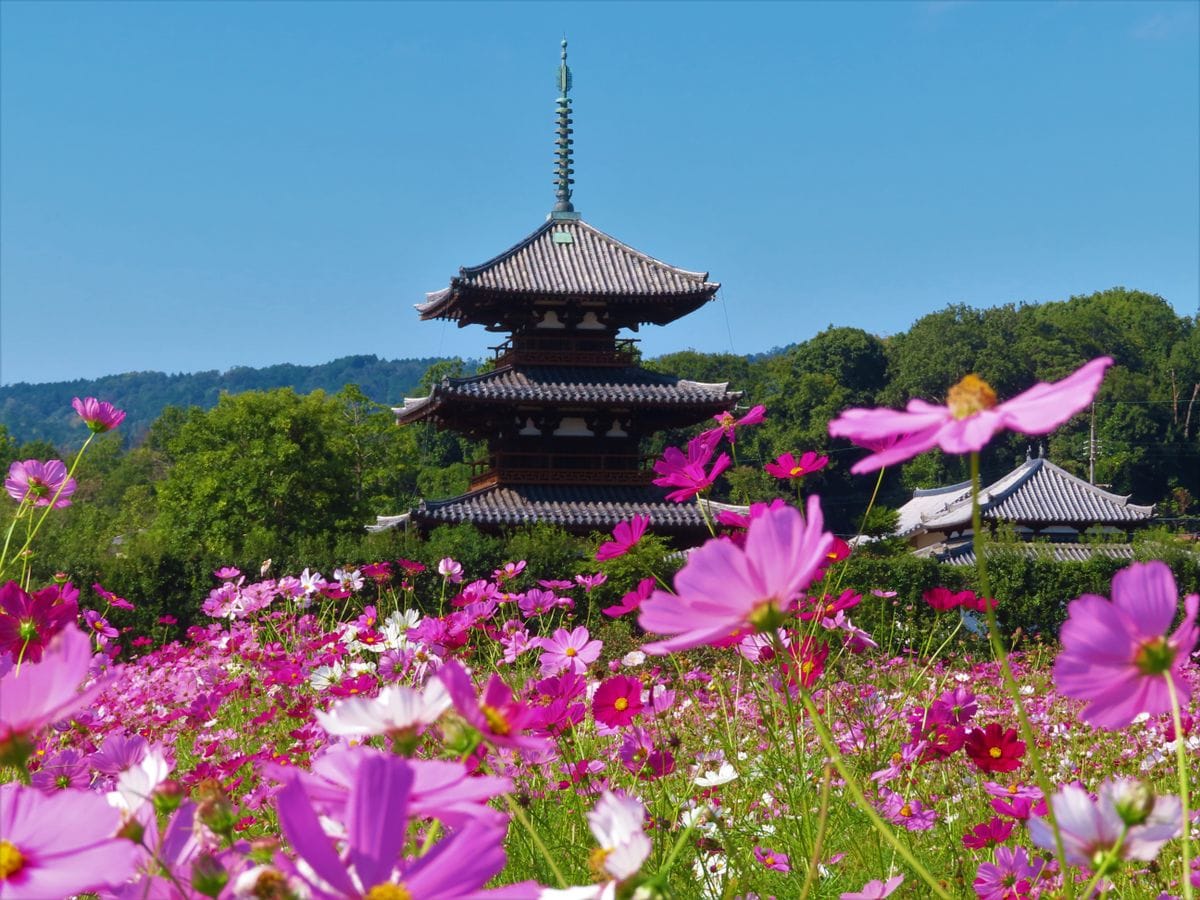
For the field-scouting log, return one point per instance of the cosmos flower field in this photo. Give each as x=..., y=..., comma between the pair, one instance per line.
x=393, y=732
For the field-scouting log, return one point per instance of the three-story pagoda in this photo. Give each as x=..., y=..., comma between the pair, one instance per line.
x=565, y=409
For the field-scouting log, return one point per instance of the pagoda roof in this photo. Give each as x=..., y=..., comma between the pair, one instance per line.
x=571, y=386
x=580, y=508
x=1036, y=492
x=570, y=258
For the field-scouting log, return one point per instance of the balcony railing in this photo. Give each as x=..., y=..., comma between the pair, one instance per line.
x=566, y=351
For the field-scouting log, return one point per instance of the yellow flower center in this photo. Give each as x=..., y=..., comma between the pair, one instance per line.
x=797, y=470
x=11, y=860
x=388, y=892
x=906, y=810
x=495, y=719
x=596, y=860
x=994, y=752
x=620, y=703
x=570, y=651
x=806, y=667
x=1155, y=657
x=970, y=396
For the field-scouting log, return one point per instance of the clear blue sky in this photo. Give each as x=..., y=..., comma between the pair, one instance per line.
x=188, y=186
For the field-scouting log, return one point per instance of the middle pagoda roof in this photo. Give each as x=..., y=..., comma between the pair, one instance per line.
x=568, y=260
x=575, y=386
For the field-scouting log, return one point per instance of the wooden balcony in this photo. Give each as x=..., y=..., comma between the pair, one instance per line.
x=561, y=468
x=566, y=351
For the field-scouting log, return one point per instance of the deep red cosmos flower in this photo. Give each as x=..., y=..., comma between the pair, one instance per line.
x=994, y=749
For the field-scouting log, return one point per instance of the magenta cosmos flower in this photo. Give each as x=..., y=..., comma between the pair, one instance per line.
x=99, y=415
x=970, y=417
x=40, y=483
x=376, y=820
x=687, y=472
x=1117, y=655
x=787, y=466
x=726, y=590
x=727, y=425
x=618, y=701
x=29, y=621
x=625, y=535
x=497, y=715
x=60, y=845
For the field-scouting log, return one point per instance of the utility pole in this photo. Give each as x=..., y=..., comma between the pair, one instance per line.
x=1092, y=447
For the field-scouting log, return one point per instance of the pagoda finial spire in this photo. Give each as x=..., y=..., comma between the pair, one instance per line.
x=565, y=161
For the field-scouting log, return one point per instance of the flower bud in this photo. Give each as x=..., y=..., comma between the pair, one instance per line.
x=209, y=877
x=167, y=796
x=1133, y=801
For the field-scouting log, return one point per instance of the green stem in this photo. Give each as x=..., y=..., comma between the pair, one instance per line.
x=868, y=810
x=822, y=821
x=1010, y=682
x=1181, y=763
x=519, y=815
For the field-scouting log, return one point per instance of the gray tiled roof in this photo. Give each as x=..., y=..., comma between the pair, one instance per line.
x=1037, y=492
x=963, y=553
x=575, y=507
x=627, y=385
x=589, y=263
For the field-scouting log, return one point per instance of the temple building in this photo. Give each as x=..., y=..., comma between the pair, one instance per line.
x=565, y=409
x=1050, y=509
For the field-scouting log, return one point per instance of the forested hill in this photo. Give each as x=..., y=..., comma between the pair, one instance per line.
x=33, y=412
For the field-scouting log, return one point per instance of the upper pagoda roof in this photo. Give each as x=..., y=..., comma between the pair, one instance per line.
x=627, y=386
x=569, y=258
x=1036, y=492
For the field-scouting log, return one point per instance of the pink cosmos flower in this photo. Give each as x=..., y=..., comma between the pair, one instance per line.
x=40, y=483
x=633, y=600
x=450, y=569
x=618, y=701
x=99, y=415
x=1117, y=656
x=37, y=695
x=874, y=890
x=509, y=571
x=687, y=473
x=1011, y=877
x=625, y=535
x=568, y=651
x=1089, y=828
x=970, y=417
x=909, y=813
x=99, y=626
x=772, y=859
x=590, y=582
x=727, y=425
x=60, y=845
x=788, y=467
x=725, y=590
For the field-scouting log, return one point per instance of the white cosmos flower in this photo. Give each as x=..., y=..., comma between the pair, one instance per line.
x=616, y=823
x=397, y=708
x=323, y=677
x=723, y=775
x=138, y=782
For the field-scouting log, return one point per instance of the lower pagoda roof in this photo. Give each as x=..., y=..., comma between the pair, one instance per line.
x=1037, y=492
x=565, y=386
x=578, y=508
